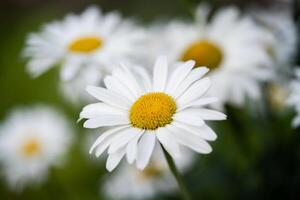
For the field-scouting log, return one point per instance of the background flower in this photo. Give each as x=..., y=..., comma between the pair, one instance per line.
x=31, y=141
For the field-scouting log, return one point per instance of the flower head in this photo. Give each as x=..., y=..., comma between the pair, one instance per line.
x=231, y=45
x=80, y=41
x=140, y=110
x=32, y=140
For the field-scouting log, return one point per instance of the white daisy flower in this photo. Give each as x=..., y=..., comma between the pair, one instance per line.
x=155, y=178
x=80, y=41
x=231, y=45
x=32, y=140
x=141, y=111
x=283, y=43
x=294, y=98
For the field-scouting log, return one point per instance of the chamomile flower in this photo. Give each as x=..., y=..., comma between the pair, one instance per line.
x=80, y=41
x=231, y=45
x=32, y=140
x=155, y=178
x=283, y=41
x=141, y=111
x=294, y=98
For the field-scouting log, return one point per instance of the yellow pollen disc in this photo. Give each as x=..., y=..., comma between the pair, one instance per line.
x=150, y=171
x=31, y=147
x=85, y=44
x=152, y=110
x=205, y=53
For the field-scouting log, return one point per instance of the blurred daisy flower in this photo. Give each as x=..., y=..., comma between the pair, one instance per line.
x=32, y=140
x=294, y=98
x=141, y=111
x=155, y=178
x=231, y=45
x=91, y=41
x=283, y=41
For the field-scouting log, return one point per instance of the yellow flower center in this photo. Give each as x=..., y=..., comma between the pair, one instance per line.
x=205, y=53
x=152, y=110
x=85, y=44
x=31, y=148
x=150, y=172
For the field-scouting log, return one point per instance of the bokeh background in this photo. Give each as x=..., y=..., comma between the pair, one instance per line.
x=257, y=154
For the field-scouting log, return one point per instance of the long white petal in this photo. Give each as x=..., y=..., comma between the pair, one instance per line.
x=106, y=120
x=200, y=102
x=171, y=145
x=189, y=140
x=106, y=142
x=115, y=85
x=195, y=75
x=195, y=91
x=105, y=135
x=204, y=131
x=109, y=97
x=70, y=68
x=124, y=139
x=179, y=75
x=144, y=78
x=160, y=74
x=207, y=114
x=186, y=116
x=114, y=159
x=133, y=78
x=145, y=149
x=96, y=109
x=131, y=149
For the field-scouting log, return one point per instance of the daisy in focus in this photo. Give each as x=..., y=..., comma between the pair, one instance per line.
x=154, y=179
x=31, y=141
x=231, y=45
x=142, y=110
x=83, y=43
x=294, y=98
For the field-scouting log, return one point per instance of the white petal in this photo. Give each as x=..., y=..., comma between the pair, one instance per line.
x=171, y=145
x=195, y=75
x=131, y=149
x=109, y=97
x=189, y=140
x=145, y=149
x=133, y=78
x=38, y=66
x=123, y=139
x=200, y=102
x=204, y=131
x=188, y=117
x=115, y=85
x=114, y=159
x=207, y=114
x=70, y=68
x=105, y=135
x=106, y=120
x=96, y=109
x=144, y=78
x=106, y=142
x=179, y=75
x=194, y=92
x=160, y=74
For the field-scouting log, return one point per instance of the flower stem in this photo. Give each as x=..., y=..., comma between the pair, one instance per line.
x=184, y=192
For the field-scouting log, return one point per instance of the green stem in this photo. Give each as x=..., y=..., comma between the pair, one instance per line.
x=174, y=170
